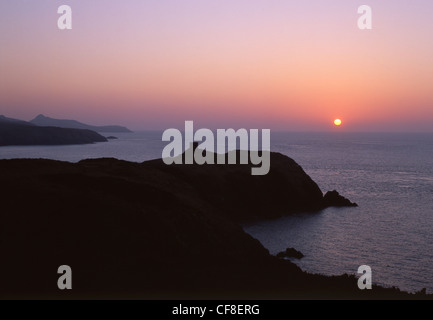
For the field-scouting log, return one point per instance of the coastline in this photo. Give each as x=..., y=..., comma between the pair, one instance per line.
x=156, y=231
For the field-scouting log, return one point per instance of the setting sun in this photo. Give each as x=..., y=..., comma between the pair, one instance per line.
x=337, y=122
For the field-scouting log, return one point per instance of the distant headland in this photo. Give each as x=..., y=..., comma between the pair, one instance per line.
x=42, y=120
x=47, y=131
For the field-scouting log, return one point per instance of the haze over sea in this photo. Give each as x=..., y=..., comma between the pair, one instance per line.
x=389, y=175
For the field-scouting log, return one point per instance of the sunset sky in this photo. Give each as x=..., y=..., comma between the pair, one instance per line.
x=278, y=64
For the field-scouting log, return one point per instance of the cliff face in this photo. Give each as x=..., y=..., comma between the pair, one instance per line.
x=150, y=230
x=232, y=191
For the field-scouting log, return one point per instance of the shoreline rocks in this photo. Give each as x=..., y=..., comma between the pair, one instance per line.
x=290, y=253
x=334, y=199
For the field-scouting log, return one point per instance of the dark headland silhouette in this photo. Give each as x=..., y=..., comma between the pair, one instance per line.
x=152, y=231
x=47, y=131
x=15, y=132
x=42, y=120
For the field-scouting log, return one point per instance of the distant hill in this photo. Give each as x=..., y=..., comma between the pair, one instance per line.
x=17, y=132
x=42, y=120
x=4, y=119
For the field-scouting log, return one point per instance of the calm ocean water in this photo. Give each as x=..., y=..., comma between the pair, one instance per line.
x=390, y=176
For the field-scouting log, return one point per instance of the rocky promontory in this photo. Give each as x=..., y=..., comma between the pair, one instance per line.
x=240, y=196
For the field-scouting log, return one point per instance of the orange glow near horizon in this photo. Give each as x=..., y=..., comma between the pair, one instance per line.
x=278, y=66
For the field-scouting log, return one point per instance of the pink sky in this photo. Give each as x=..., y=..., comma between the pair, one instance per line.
x=284, y=65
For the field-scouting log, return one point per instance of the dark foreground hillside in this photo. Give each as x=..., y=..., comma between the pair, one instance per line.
x=153, y=231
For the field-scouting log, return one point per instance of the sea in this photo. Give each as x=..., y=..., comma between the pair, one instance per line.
x=389, y=175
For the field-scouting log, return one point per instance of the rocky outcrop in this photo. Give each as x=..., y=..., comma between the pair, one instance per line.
x=334, y=199
x=290, y=253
